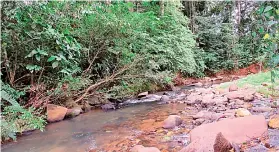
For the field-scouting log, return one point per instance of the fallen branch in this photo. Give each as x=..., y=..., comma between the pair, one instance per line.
x=113, y=77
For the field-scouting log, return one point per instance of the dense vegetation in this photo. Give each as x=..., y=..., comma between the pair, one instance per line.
x=67, y=52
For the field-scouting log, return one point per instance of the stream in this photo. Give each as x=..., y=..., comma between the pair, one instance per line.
x=140, y=122
x=91, y=130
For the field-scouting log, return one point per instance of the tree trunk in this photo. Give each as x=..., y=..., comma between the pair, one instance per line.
x=162, y=7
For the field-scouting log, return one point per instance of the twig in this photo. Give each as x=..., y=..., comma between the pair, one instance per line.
x=94, y=58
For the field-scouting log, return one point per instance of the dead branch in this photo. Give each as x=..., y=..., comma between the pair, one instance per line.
x=94, y=58
x=113, y=77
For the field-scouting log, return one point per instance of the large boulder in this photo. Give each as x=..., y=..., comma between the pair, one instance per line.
x=140, y=148
x=237, y=130
x=172, y=121
x=55, y=113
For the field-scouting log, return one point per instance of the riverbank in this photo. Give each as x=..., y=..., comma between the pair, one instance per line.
x=147, y=123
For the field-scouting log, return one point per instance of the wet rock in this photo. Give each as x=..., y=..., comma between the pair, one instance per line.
x=274, y=122
x=143, y=94
x=221, y=144
x=258, y=148
x=73, y=112
x=261, y=109
x=248, y=97
x=165, y=99
x=237, y=130
x=140, y=148
x=108, y=106
x=172, y=121
x=241, y=112
x=233, y=87
x=55, y=113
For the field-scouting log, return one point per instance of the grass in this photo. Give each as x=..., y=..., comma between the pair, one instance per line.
x=256, y=81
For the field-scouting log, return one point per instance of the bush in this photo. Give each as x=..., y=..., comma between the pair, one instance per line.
x=14, y=118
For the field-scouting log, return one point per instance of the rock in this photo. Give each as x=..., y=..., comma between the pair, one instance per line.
x=236, y=148
x=258, y=148
x=108, y=106
x=194, y=98
x=143, y=94
x=73, y=112
x=165, y=99
x=248, y=97
x=151, y=98
x=203, y=91
x=237, y=130
x=140, y=148
x=235, y=95
x=220, y=100
x=87, y=107
x=258, y=95
x=221, y=144
x=198, y=121
x=273, y=135
x=274, y=122
x=233, y=87
x=55, y=113
x=203, y=114
x=238, y=102
x=172, y=121
x=198, y=84
x=241, y=112
x=261, y=109
x=247, y=105
x=208, y=99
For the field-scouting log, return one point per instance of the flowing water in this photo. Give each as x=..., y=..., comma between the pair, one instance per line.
x=88, y=131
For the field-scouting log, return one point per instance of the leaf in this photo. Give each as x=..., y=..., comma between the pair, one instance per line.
x=42, y=52
x=38, y=57
x=51, y=58
x=260, y=10
x=254, y=34
x=31, y=54
x=268, y=8
x=266, y=36
x=261, y=30
x=277, y=11
x=55, y=64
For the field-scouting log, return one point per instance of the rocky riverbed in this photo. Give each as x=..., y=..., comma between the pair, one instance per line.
x=212, y=119
x=185, y=120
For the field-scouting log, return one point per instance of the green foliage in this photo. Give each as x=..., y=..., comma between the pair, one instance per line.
x=14, y=118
